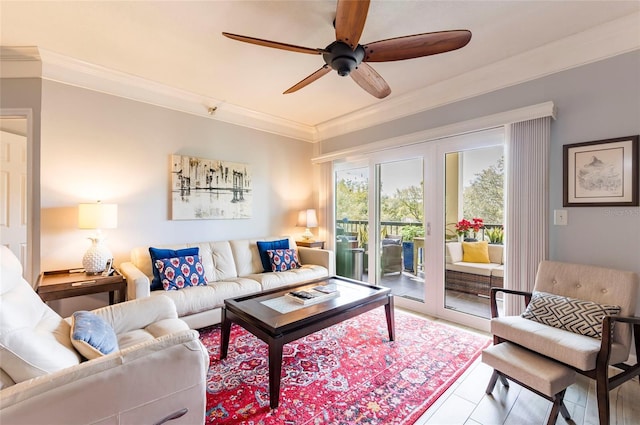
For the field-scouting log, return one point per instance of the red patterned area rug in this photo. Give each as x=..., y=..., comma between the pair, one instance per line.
x=347, y=374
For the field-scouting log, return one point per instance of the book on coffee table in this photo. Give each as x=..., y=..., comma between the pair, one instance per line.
x=310, y=296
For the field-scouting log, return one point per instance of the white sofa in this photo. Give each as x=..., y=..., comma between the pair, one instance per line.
x=473, y=278
x=157, y=371
x=232, y=268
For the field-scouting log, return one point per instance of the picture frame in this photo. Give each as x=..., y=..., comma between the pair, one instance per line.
x=206, y=189
x=601, y=173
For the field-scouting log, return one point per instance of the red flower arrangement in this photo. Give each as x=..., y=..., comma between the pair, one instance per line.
x=464, y=226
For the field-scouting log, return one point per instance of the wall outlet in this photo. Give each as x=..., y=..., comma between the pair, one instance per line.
x=560, y=217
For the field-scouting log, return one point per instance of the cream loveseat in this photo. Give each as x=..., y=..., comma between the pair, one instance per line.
x=232, y=268
x=473, y=277
x=157, y=371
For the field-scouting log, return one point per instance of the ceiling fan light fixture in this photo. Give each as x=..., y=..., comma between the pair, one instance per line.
x=343, y=65
x=342, y=58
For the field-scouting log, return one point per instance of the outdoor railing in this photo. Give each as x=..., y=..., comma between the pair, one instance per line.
x=355, y=227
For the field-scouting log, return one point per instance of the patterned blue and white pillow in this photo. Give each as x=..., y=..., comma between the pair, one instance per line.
x=162, y=253
x=180, y=272
x=264, y=246
x=91, y=335
x=571, y=314
x=283, y=259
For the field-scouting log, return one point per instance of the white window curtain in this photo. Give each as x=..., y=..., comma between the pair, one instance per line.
x=527, y=215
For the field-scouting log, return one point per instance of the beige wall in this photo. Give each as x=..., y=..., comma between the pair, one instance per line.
x=98, y=146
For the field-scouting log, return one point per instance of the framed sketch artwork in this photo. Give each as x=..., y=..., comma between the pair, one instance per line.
x=601, y=173
x=204, y=189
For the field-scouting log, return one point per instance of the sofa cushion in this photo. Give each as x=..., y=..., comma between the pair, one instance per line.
x=282, y=260
x=496, y=253
x=480, y=269
x=210, y=296
x=276, y=280
x=264, y=246
x=180, y=272
x=91, y=335
x=162, y=253
x=571, y=314
x=475, y=252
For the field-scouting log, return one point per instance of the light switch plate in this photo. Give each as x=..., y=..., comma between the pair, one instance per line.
x=560, y=217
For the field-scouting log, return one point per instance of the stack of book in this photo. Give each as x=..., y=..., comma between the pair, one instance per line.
x=314, y=295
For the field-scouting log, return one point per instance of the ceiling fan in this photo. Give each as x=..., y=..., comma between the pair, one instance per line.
x=348, y=57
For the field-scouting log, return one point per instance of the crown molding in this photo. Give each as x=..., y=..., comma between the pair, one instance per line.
x=607, y=40
x=20, y=62
x=63, y=69
x=598, y=43
x=546, y=109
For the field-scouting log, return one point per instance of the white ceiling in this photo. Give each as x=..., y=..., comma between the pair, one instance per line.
x=179, y=44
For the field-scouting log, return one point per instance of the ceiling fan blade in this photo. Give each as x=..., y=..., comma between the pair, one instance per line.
x=310, y=79
x=350, y=18
x=415, y=46
x=274, y=44
x=371, y=81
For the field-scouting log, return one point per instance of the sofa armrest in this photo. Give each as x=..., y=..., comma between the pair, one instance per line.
x=319, y=257
x=138, y=284
x=140, y=384
x=138, y=314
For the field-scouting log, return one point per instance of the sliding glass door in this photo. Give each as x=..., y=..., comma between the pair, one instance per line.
x=400, y=227
x=396, y=213
x=352, y=219
x=474, y=228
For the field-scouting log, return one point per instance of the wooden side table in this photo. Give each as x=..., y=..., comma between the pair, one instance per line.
x=311, y=244
x=59, y=284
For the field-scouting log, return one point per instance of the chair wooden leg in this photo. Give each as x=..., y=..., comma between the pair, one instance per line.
x=558, y=406
x=602, y=393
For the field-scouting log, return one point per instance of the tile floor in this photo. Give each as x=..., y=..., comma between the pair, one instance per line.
x=465, y=402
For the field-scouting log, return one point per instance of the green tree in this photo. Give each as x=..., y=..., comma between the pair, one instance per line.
x=484, y=197
x=352, y=200
x=405, y=205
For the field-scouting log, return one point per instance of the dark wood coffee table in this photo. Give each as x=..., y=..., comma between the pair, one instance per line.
x=278, y=328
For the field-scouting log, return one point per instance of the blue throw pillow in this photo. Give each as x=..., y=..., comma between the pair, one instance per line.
x=180, y=272
x=283, y=259
x=161, y=254
x=92, y=336
x=264, y=246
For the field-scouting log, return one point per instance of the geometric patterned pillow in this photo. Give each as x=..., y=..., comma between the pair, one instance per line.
x=180, y=272
x=571, y=314
x=283, y=259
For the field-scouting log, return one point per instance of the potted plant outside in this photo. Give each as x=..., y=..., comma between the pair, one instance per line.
x=495, y=235
x=408, y=233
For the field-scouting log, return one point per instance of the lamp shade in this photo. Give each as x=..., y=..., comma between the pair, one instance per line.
x=97, y=216
x=307, y=218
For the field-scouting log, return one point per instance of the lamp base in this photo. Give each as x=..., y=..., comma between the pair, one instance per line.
x=307, y=235
x=96, y=257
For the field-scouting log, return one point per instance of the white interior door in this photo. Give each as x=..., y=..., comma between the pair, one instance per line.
x=13, y=183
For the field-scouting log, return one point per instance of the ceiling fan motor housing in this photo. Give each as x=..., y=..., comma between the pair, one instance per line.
x=342, y=58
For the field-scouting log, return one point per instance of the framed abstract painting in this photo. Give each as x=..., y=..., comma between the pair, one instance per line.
x=203, y=189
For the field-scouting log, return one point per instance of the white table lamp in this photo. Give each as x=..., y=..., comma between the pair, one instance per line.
x=307, y=219
x=97, y=216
